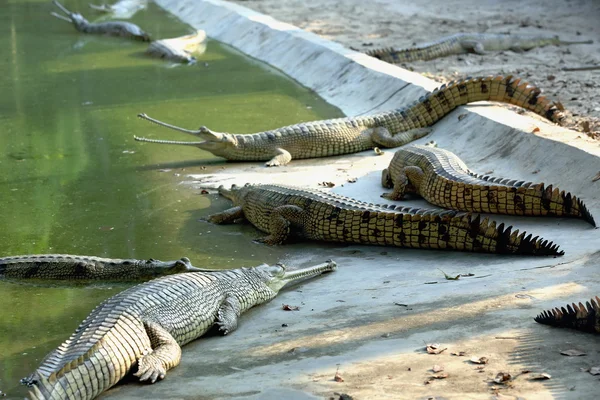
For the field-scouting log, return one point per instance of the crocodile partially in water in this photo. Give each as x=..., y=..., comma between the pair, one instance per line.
x=353, y=134
x=282, y=211
x=66, y=267
x=462, y=43
x=585, y=318
x=179, y=49
x=146, y=325
x=111, y=28
x=443, y=179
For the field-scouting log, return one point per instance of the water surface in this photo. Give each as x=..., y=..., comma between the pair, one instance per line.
x=72, y=180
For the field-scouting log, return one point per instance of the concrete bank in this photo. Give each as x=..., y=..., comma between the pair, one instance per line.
x=373, y=317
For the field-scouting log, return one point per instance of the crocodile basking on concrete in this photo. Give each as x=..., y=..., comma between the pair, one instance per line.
x=584, y=318
x=178, y=49
x=146, y=325
x=65, y=267
x=283, y=210
x=462, y=43
x=112, y=28
x=441, y=178
x=354, y=134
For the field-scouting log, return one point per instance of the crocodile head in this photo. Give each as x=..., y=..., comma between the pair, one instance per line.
x=277, y=276
x=236, y=194
x=218, y=143
x=152, y=268
x=75, y=18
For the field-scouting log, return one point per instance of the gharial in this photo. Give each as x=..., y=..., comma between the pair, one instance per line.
x=146, y=325
x=462, y=43
x=443, y=179
x=282, y=211
x=584, y=318
x=179, y=49
x=66, y=267
x=353, y=134
x=112, y=28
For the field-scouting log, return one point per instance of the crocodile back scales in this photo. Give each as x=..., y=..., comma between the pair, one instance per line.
x=453, y=44
x=109, y=341
x=449, y=183
x=351, y=134
x=337, y=218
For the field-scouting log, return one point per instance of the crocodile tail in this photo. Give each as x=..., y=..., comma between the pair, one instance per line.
x=562, y=204
x=487, y=236
x=431, y=107
x=42, y=389
x=424, y=52
x=584, y=318
x=543, y=200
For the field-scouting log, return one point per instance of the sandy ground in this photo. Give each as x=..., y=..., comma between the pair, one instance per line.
x=403, y=23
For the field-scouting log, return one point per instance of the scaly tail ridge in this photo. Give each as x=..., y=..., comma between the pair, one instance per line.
x=577, y=316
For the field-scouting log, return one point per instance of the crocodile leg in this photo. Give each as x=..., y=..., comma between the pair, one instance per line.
x=228, y=314
x=473, y=46
x=226, y=217
x=406, y=180
x=279, y=223
x=166, y=354
x=383, y=137
x=283, y=157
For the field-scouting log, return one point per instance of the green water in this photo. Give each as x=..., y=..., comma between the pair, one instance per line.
x=72, y=180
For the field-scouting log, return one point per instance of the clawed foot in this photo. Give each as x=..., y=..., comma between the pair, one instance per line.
x=268, y=240
x=390, y=196
x=272, y=163
x=223, y=329
x=150, y=368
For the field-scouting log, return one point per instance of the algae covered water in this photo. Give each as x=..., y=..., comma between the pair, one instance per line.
x=73, y=180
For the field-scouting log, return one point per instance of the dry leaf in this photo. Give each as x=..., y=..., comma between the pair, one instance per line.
x=461, y=116
x=338, y=377
x=479, y=360
x=540, y=377
x=597, y=177
x=378, y=151
x=435, y=348
x=502, y=377
x=460, y=353
x=572, y=353
x=287, y=307
x=594, y=371
x=437, y=368
x=327, y=184
x=585, y=125
x=536, y=129
x=443, y=375
x=450, y=278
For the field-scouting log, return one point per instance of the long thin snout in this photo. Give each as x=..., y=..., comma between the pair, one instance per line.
x=62, y=8
x=61, y=17
x=203, y=132
x=228, y=193
x=161, y=141
x=310, y=272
